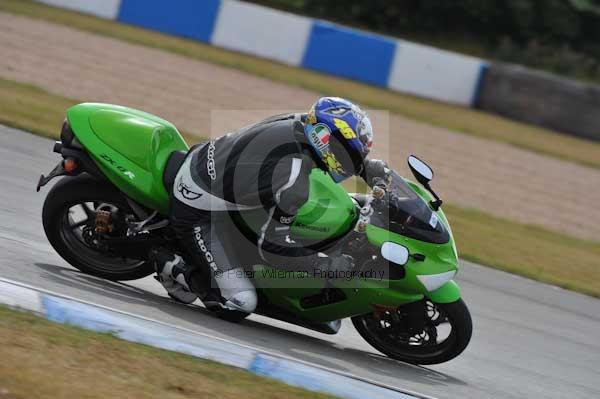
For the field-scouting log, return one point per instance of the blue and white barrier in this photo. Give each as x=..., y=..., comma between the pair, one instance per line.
x=261, y=31
x=65, y=310
x=300, y=41
x=433, y=73
x=188, y=18
x=349, y=53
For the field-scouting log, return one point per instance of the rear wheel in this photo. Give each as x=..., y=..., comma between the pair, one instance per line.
x=69, y=218
x=445, y=333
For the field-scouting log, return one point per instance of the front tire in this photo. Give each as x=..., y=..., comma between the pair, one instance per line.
x=83, y=192
x=387, y=334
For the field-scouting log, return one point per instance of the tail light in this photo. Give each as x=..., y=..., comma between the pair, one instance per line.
x=70, y=165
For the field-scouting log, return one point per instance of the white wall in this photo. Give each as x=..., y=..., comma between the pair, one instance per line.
x=261, y=31
x=434, y=73
x=101, y=8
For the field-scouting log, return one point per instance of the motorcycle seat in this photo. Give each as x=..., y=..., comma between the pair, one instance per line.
x=174, y=162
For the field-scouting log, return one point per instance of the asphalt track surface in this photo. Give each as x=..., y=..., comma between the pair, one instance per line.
x=530, y=340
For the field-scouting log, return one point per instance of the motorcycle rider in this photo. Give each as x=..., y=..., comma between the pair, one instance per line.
x=265, y=166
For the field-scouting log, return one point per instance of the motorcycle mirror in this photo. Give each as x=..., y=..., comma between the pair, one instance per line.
x=395, y=253
x=422, y=172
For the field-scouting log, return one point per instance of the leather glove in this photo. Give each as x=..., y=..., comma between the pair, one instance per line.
x=375, y=171
x=341, y=263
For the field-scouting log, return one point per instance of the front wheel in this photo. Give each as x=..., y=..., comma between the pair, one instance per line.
x=443, y=334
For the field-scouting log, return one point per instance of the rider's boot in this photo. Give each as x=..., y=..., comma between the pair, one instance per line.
x=170, y=270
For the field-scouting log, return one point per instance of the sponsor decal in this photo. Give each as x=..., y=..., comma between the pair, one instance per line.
x=202, y=245
x=433, y=221
x=344, y=128
x=286, y=219
x=237, y=302
x=365, y=131
x=186, y=192
x=320, y=136
x=332, y=163
x=322, y=229
x=210, y=163
x=311, y=118
x=121, y=169
x=337, y=111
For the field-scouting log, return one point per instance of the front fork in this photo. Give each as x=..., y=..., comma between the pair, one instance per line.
x=413, y=316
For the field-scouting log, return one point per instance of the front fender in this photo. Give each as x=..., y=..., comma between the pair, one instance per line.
x=447, y=293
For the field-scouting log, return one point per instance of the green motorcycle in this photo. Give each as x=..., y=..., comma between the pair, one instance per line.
x=111, y=208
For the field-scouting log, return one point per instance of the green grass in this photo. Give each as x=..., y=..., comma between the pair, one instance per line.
x=529, y=251
x=457, y=118
x=521, y=249
x=32, y=109
x=41, y=359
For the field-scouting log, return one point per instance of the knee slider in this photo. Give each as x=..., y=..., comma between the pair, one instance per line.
x=244, y=301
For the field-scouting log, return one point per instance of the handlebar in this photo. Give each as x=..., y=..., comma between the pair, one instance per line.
x=377, y=193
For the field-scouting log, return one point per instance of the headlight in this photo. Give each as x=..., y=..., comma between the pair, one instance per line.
x=395, y=253
x=434, y=281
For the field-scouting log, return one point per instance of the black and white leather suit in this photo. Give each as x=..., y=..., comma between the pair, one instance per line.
x=263, y=170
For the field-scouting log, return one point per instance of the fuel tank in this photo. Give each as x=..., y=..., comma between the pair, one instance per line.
x=329, y=211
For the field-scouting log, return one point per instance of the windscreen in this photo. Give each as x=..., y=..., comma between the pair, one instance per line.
x=407, y=214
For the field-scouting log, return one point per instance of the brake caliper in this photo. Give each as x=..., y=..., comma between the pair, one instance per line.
x=103, y=221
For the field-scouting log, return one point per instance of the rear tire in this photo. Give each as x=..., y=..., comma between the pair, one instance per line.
x=69, y=192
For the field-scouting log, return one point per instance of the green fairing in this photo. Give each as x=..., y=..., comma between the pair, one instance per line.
x=360, y=296
x=447, y=293
x=440, y=258
x=132, y=147
x=329, y=211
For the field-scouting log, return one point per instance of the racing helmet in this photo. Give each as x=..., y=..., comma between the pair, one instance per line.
x=341, y=135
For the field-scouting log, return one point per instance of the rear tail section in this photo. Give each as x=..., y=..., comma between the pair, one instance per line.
x=128, y=147
x=75, y=158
